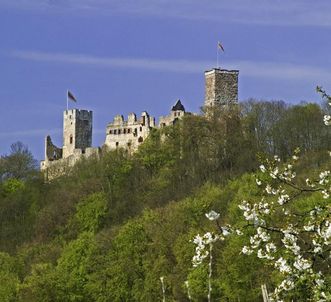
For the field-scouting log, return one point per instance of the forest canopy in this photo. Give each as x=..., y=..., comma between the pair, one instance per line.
x=112, y=227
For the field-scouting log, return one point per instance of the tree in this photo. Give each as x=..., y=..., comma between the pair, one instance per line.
x=289, y=228
x=19, y=164
x=9, y=280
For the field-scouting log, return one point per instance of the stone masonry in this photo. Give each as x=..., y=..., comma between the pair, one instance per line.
x=77, y=131
x=177, y=112
x=221, y=89
x=77, y=142
x=128, y=134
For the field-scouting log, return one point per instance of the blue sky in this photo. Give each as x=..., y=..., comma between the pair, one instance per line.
x=123, y=56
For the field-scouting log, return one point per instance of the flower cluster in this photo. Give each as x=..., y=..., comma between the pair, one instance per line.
x=327, y=117
x=294, y=241
x=327, y=120
x=201, y=252
x=300, y=247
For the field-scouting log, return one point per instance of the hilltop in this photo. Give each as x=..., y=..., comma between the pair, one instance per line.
x=114, y=225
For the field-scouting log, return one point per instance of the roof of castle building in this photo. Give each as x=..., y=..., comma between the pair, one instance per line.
x=178, y=106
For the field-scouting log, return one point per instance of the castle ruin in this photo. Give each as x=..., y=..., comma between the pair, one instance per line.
x=128, y=134
x=221, y=89
x=77, y=143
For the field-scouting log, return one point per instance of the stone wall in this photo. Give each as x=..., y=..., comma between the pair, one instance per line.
x=77, y=141
x=77, y=130
x=56, y=168
x=51, y=151
x=128, y=134
x=177, y=112
x=221, y=87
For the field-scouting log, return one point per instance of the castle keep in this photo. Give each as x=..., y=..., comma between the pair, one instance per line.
x=77, y=142
x=221, y=89
x=77, y=131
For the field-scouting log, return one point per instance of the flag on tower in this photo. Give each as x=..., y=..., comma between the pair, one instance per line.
x=220, y=46
x=71, y=97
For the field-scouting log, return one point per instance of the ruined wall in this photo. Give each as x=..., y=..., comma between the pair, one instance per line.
x=51, y=151
x=56, y=168
x=128, y=134
x=221, y=87
x=77, y=141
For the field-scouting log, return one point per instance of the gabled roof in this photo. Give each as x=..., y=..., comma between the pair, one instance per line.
x=178, y=106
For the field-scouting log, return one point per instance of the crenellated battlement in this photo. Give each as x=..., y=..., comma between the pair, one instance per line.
x=130, y=133
x=221, y=89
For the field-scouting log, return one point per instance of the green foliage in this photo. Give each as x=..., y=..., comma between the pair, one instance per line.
x=91, y=212
x=109, y=230
x=8, y=278
x=67, y=280
x=18, y=164
x=12, y=185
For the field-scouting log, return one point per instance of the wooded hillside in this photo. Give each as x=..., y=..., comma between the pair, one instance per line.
x=110, y=229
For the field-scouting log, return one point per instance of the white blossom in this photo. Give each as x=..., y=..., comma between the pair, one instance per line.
x=276, y=158
x=325, y=194
x=271, y=247
x=282, y=265
x=200, y=250
x=309, y=227
x=239, y=233
x=262, y=168
x=301, y=263
x=324, y=177
x=246, y=250
x=283, y=199
x=268, y=189
x=212, y=215
x=287, y=284
x=327, y=120
x=274, y=173
x=298, y=242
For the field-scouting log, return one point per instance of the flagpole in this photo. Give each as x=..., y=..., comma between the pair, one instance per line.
x=67, y=100
x=217, y=56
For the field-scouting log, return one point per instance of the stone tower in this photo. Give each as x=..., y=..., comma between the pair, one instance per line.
x=77, y=131
x=221, y=87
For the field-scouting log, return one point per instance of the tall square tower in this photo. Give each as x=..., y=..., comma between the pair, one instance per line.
x=221, y=87
x=77, y=131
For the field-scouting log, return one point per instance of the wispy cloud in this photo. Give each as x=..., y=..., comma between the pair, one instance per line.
x=270, y=12
x=247, y=68
x=105, y=62
x=30, y=133
x=39, y=132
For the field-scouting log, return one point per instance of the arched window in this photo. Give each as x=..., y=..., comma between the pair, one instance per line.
x=70, y=139
x=140, y=139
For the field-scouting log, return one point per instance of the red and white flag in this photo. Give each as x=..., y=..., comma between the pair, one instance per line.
x=220, y=46
x=71, y=97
